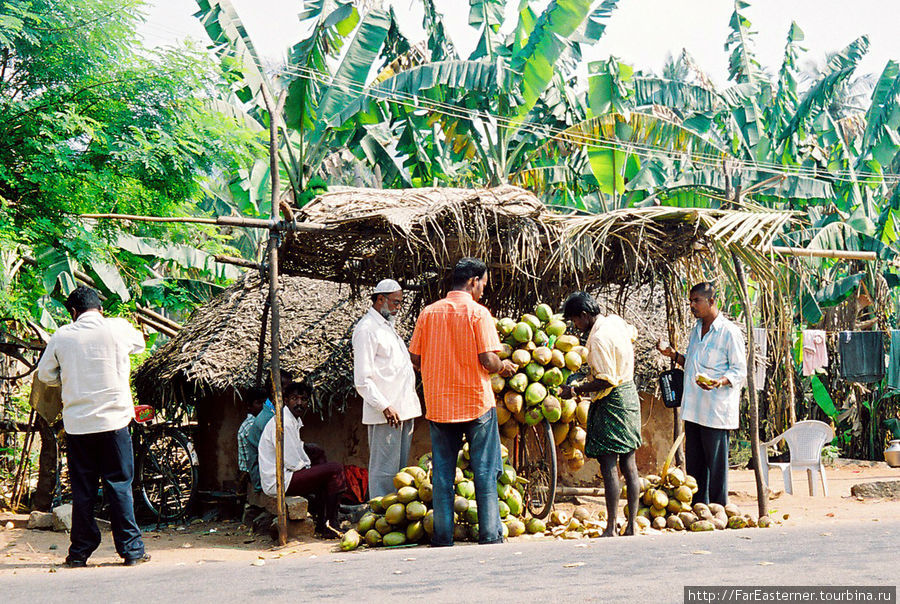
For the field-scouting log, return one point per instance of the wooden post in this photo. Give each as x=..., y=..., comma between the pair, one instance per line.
x=762, y=496
x=673, y=342
x=275, y=365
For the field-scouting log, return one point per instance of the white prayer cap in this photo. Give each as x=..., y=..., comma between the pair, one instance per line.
x=386, y=286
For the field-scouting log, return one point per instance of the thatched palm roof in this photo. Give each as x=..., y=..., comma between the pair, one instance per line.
x=417, y=235
x=218, y=347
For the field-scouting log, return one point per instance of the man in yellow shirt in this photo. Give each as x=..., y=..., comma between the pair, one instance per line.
x=614, y=418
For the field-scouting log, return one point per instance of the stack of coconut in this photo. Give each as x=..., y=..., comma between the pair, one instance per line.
x=545, y=356
x=406, y=515
x=666, y=503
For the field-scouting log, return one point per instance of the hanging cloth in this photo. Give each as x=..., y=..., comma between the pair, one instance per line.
x=893, y=373
x=862, y=356
x=760, y=356
x=815, y=355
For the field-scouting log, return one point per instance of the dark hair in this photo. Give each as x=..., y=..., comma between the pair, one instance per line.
x=705, y=289
x=285, y=377
x=255, y=395
x=374, y=297
x=580, y=302
x=81, y=299
x=466, y=269
x=297, y=388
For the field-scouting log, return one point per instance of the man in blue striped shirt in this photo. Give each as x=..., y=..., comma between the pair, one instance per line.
x=715, y=371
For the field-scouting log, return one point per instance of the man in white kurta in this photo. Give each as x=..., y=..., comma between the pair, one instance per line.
x=384, y=377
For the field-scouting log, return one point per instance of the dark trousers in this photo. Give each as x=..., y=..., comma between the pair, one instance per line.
x=105, y=456
x=483, y=437
x=706, y=457
x=325, y=481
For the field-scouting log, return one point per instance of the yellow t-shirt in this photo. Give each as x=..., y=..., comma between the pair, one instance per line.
x=610, y=347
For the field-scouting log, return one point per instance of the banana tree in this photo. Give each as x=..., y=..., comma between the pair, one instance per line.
x=479, y=120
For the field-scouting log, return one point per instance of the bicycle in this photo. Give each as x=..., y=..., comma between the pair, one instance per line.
x=166, y=467
x=535, y=458
x=166, y=474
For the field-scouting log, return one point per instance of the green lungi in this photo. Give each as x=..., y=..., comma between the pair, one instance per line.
x=614, y=422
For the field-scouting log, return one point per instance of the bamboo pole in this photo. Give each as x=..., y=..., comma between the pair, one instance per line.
x=836, y=254
x=223, y=259
x=166, y=331
x=762, y=496
x=275, y=316
x=234, y=221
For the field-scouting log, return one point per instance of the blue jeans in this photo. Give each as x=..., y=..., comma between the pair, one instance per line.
x=106, y=456
x=483, y=437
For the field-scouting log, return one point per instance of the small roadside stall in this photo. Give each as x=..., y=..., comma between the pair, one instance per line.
x=357, y=237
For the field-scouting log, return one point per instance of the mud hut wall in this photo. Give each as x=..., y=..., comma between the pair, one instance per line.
x=219, y=415
x=345, y=438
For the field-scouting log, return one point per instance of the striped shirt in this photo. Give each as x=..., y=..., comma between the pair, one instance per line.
x=449, y=336
x=720, y=353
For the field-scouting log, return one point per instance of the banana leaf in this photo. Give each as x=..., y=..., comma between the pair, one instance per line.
x=822, y=398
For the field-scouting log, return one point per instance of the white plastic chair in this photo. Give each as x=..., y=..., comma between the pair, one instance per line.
x=805, y=441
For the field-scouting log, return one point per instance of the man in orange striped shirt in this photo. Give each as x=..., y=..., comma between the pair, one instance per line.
x=455, y=347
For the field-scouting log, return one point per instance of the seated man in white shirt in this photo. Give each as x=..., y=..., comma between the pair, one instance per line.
x=306, y=469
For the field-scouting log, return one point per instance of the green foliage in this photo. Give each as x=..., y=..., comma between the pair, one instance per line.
x=92, y=123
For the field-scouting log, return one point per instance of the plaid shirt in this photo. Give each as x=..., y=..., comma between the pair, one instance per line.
x=720, y=353
x=244, y=446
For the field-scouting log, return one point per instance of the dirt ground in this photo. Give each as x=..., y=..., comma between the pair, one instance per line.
x=198, y=543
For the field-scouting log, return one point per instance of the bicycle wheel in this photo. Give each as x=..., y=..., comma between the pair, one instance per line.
x=167, y=471
x=537, y=463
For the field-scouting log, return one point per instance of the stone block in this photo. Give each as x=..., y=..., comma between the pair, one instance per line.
x=882, y=489
x=297, y=507
x=301, y=529
x=62, y=517
x=40, y=520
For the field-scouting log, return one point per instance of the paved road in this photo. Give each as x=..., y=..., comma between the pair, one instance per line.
x=644, y=569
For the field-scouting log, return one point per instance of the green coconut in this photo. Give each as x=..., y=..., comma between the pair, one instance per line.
x=506, y=326
x=552, y=377
x=350, y=540
x=551, y=408
x=535, y=393
x=543, y=312
x=395, y=538
x=533, y=416
x=519, y=381
x=555, y=328
x=534, y=371
x=532, y=321
x=523, y=332
x=373, y=538
x=407, y=494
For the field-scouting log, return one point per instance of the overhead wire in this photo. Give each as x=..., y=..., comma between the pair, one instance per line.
x=566, y=135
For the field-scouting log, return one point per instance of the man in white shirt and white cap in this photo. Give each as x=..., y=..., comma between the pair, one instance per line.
x=384, y=377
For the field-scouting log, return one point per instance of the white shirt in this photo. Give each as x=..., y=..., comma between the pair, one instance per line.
x=382, y=371
x=89, y=358
x=295, y=457
x=720, y=353
x=610, y=347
